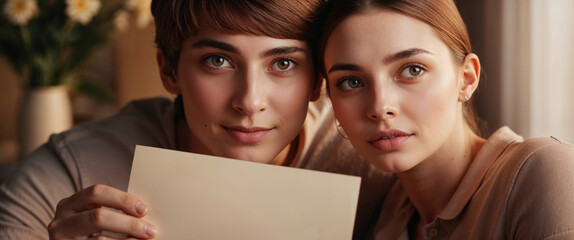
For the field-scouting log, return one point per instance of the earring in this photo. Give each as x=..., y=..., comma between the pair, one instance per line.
x=463, y=98
x=340, y=130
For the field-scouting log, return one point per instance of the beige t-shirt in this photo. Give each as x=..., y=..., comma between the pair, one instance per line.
x=101, y=152
x=514, y=189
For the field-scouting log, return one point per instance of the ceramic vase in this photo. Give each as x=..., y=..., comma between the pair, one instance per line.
x=43, y=111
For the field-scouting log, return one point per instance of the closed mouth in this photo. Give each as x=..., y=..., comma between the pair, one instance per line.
x=247, y=129
x=247, y=134
x=387, y=135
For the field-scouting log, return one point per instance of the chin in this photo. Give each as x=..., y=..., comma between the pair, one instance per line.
x=390, y=164
x=258, y=157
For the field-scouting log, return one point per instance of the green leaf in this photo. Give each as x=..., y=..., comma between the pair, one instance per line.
x=95, y=90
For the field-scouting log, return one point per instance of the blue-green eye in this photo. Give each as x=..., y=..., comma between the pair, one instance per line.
x=350, y=83
x=217, y=61
x=283, y=64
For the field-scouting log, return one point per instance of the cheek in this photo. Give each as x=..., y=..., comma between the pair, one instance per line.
x=290, y=96
x=432, y=107
x=290, y=105
x=202, y=97
x=348, y=113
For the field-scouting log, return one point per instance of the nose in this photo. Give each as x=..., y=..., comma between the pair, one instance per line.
x=384, y=104
x=250, y=95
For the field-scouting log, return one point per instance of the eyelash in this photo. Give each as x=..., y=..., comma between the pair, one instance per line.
x=292, y=64
x=422, y=68
x=345, y=81
x=207, y=60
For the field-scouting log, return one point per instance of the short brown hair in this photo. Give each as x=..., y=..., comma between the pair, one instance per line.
x=177, y=20
x=441, y=15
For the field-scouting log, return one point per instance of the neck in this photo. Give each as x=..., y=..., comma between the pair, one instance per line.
x=431, y=184
x=289, y=155
x=186, y=140
x=182, y=136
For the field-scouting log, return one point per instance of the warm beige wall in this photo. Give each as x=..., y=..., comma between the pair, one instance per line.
x=9, y=95
x=136, y=70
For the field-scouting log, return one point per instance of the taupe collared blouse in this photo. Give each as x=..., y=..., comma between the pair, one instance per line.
x=514, y=189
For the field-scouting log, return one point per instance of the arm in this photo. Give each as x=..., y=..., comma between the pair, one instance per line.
x=29, y=198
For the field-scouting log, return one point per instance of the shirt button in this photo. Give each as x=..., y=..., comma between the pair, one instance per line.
x=433, y=232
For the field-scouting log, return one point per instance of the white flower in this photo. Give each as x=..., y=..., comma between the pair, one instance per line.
x=132, y=4
x=121, y=20
x=142, y=8
x=20, y=12
x=82, y=11
x=143, y=19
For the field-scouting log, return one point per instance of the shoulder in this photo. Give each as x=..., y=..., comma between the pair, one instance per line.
x=540, y=193
x=540, y=156
x=101, y=151
x=138, y=122
x=544, y=163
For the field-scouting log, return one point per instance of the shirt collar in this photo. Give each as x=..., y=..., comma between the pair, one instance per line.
x=492, y=149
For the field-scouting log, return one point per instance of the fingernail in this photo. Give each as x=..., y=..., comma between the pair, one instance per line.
x=141, y=208
x=150, y=230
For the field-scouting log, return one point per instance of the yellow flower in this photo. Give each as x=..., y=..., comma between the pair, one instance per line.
x=20, y=12
x=82, y=11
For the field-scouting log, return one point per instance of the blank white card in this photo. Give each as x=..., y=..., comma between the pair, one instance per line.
x=193, y=196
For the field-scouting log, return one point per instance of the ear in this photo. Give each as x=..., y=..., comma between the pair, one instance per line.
x=470, y=77
x=316, y=93
x=167, y=74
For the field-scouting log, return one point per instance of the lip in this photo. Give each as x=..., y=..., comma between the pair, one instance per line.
x=389, y=140
x=247, y=134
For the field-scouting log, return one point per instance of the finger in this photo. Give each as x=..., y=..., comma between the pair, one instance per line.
x=102, y=237
x=102, y=219
x=110, y=238
x=105, y=237
x=102, y=195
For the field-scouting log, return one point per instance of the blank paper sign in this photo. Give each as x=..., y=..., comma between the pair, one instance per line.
x=193, y=196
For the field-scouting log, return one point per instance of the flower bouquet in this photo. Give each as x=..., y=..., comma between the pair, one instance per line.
x=47, y=40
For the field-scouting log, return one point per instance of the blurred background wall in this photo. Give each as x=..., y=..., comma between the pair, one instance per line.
x=126, y=65
x=525, y=47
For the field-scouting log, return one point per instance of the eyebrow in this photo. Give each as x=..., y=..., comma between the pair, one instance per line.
x=215, y=44
x=386, y=60
x=344, y=67
x=282, y=50
x=230, y=48
x=404, y=54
